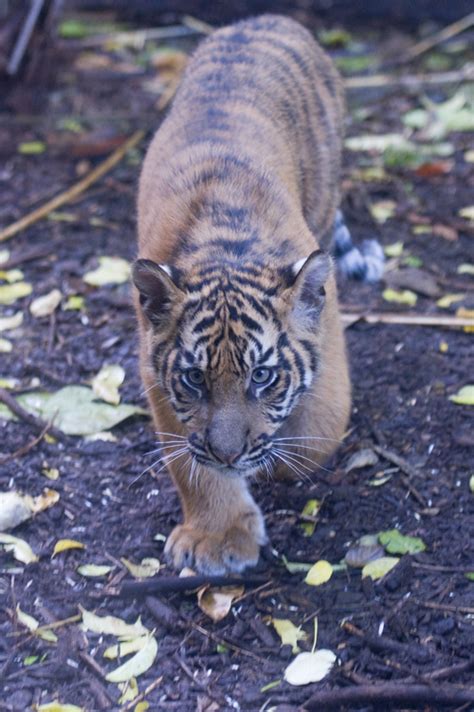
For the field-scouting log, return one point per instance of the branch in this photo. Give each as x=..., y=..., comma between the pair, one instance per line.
x=393, y=694
x=410, y=81
x=455, y=322
x=177, y=584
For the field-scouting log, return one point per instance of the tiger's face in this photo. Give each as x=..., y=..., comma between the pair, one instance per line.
x=233, y=348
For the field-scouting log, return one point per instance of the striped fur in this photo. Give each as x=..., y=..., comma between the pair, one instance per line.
x=238, y=189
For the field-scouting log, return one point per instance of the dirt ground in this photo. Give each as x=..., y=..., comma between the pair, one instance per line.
x=415, y=624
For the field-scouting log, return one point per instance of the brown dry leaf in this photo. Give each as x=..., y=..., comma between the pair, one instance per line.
x=444, y=231
x=433, y=169
x=418, y=280
x=217, y=602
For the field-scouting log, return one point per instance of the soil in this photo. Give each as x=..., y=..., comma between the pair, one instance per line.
x=409, y=626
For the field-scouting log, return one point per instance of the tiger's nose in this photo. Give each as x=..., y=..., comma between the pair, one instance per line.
x=227, y=455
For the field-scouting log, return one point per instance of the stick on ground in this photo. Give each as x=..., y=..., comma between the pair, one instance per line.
x=395, y=695
x=38, y=424
x=74, y=190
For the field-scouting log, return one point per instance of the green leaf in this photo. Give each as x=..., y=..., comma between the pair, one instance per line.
x=379, y=567
x=310, y=509
x=465, y=396
x=382, y=210
x=470, y=575
x=75, y=410
x=270, y=686
x=405, y=296
x=394, y=250
x=396, y=543
x=32, y=148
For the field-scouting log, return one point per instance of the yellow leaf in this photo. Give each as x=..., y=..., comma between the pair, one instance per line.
x=443, y=347
x=9, y=293
x=319, y=573
x=66, y=544
x=31, y=148
x=91, y=570
x=449, y=299
x=142, y=706
x=106, y=383
x=465, y=396
x=289, y=633
x=11, y=322
x=20, y=549
x=52, y=473
x=111, y=270
x=140, y=663
x=310, y=667
x=464, y=313
x=74, y=302
x=217, y=602
x=394, y=250
x=378, y=568
x=58, y=707
x=465, y=268
x=310, y=509
x=5, y=346
x=46, y=304
x=467, y=212
x=126, y=648
x=16, y=508
x=11, y=275
x=32, y=625
x=148, y=567
x=110, y=625
x=129, y=690
x=382, y=210
x=404, y=296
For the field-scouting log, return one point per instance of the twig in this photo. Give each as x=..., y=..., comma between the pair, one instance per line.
x=194, y=23
x=396, y=460
x=130, y=38
x=176, y=584
x=223, y=641
x=153, y=685
x=24, y=36
x=382, y=643
x=455, y=322
x=469, y=610
x=74, y=190
x=26, y=256
x=24, y=449
x=446, y=33
x=399, y=694
x=37, y=423
x=444, y=569
x=410, y=81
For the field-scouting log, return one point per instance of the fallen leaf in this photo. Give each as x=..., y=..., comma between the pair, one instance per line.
x=319, y=573
x=111, y=270
x=5, y=346
x=217, y=602
x=464, y=268
x=359, y=555
x=74, y=410
x=11, y=275
x=143, y=706
x=110, y=625
x=437, y=119
x=74, y=303
x=289, y=633
x=362, y=458
x=19, y=547
x=443, y=347
x=432, y=169
x=16, y=508
x=46, y=304
x=4, y=256
x=92, y=570
x=467, y=212
x=32, y=624
x=32, y=148
x=126, y=648
x=9, y=293
x=469, y=156
x=106, y=383
x=377, y=143
x=129, y=690
x=310, y=509
x=8, y=323
x=400, y=297
x=394, y=250
x=148, y=567
x=8, y=383
x=66, y=544
x=449, y=299
x=471, y=483
x=58, y=707
x=378, y=568
x=52, y=473
x=310, y=667
x=465, y=396
x=382, y=210
x=444, y=231
x=271, y=685
x=397, y=543
x=138, y=664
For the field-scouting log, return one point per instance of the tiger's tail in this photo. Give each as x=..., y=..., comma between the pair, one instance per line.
x=365, y=263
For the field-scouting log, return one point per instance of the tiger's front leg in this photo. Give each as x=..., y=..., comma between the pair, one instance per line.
x=223, y=528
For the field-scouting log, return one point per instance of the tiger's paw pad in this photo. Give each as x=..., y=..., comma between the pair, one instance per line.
x=215, y=553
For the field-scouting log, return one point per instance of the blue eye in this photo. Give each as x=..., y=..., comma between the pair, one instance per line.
x=194, y=376
x=262, y=376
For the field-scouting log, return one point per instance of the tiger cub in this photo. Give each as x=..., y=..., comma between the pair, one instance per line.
x=241, y=347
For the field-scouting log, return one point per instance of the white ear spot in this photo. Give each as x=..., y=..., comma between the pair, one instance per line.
x=166, y=269
x=297, y=266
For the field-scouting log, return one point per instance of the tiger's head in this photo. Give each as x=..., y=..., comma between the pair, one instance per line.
x=233, y=347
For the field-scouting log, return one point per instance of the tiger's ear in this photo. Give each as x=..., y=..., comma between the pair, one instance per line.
x=158, y=288
x=305, y=282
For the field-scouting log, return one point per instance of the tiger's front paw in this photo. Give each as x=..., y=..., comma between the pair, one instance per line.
x=221, y=552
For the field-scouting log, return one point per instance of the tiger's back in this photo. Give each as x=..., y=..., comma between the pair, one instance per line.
x=241, y=347
x=256, y=122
